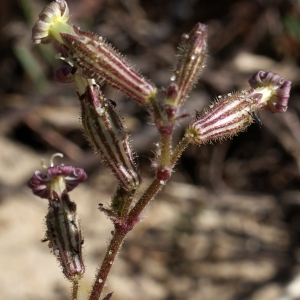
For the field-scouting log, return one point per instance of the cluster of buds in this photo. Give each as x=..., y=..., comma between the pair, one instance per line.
x=63, y=232
x=234, y=112
x=90, y=53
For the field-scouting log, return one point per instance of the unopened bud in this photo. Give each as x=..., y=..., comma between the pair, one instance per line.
x=189, y=64
x=107, y=136
x=65, y=74
x=97, y=59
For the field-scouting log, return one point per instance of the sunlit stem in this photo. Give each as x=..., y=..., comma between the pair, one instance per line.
x=110, y=256
x=75, y=287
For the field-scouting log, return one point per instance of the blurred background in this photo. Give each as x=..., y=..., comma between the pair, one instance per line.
x=227, y=225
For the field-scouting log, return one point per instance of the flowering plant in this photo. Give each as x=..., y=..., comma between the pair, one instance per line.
x=92, y=63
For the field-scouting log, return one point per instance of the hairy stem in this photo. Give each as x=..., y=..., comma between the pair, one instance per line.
x=121, y=201
x=179, y=150
x=110, y=256
x=75, y=286
x=155, y=186
x=165, y=144
x=148, y=195
x=127, y=203
x=132, y=218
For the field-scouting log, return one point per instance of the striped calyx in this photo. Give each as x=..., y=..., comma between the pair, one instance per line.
x=90, y=53
x=226, y=117
x=98, y=60
x=107, y=136
x=190, y=61
x=62, y=221
x=234, y=112
x=64, y=235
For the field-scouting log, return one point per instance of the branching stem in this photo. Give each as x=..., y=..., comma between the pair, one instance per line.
x=132, y=218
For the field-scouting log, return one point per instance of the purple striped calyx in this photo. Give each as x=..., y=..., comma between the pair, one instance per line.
x=107, y=136
x=64, y=235
x=234, y=112
x=91, y=54
x=62, y=221
x=98, y=60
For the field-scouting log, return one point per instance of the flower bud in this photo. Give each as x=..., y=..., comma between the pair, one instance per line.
x=107, y=136
x=97, y=59
x=63, y=224
x=64, y=235
x=234, y=112
x=189, y=64
x=65, y=74
x=90, y=53
x=225, y=118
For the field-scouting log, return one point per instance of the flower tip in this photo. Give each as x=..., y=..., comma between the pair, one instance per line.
x=56, y=11
x=278, y=101
x=42, y=184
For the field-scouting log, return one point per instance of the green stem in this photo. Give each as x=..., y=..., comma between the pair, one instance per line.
x=179, y=150
x=127, y=204
x=121, y=201
x=155, y=108
x=75, y=287
x=165, y=146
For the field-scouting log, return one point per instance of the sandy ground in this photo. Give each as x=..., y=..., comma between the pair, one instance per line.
x=191, y=244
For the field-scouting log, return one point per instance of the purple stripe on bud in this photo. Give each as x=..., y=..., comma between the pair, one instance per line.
x=225, y=118
x=108, y=137
x=190, y=63
x=64, y=235
x=97, y=59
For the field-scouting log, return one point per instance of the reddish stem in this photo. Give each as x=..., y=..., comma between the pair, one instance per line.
x=111, y=253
